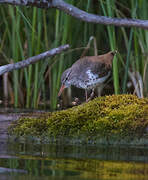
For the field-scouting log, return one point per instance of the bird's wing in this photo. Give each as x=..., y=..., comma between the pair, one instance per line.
x=82, y=69
x=99, y=68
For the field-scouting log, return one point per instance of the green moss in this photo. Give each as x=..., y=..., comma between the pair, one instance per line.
x=116, y=115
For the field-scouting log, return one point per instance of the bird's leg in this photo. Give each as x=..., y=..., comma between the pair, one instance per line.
x=91, y=95
x=86, y=94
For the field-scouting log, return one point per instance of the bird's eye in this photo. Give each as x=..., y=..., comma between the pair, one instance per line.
x=65, y=79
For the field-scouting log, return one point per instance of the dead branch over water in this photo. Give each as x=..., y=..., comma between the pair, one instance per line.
x=32, y=60
x=79, y=14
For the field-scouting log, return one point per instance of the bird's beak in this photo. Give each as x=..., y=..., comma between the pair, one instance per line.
x=61, y=90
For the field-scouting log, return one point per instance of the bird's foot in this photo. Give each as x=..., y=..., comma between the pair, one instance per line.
x=76, y=102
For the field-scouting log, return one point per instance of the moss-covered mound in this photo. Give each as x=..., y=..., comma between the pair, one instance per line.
x=116, y=115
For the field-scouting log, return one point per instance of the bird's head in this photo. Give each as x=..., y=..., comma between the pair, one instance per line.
x=65, y=81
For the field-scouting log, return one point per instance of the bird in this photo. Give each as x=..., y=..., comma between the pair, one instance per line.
x=88, y=72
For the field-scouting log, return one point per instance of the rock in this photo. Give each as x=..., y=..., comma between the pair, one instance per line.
x=110, y=118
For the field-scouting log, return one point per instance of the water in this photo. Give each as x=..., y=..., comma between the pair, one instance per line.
x=34, y=161
x=69, y=162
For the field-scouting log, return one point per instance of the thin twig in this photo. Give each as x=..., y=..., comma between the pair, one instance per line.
x=32, y=60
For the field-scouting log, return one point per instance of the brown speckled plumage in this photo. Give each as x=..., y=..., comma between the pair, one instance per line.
x=88, y=72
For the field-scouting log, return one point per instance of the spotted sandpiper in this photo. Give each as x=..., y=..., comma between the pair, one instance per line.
x=88, y=72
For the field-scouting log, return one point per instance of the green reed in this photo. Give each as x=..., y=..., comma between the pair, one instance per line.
x=15, y=17
x=109, y=11
x=37, y=51
x=142, y=36
x=28, y=31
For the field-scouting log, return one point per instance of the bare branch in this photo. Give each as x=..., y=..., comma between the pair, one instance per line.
x=32, y=60
x=36, y=3
x=79, y=14
x=87, y=17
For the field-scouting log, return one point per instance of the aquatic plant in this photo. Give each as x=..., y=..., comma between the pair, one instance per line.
x=28, y=31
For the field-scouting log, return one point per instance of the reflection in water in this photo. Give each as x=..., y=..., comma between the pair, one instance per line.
x=32, y=161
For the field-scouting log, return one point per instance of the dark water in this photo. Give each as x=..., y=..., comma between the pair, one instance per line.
x=32, y=161
x=21, y=161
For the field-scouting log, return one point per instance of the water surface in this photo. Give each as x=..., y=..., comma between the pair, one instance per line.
x=36, y=161
x=81, y=162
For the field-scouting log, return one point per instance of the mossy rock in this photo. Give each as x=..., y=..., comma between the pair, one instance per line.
x=118, y=116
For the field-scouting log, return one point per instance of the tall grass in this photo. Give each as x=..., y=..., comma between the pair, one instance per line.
x=109, y=11
x=26, y=32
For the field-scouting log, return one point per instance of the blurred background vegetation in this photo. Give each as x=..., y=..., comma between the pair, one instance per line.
x=28, y=31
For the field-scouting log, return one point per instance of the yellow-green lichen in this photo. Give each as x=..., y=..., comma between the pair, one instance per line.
x=119, y=115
